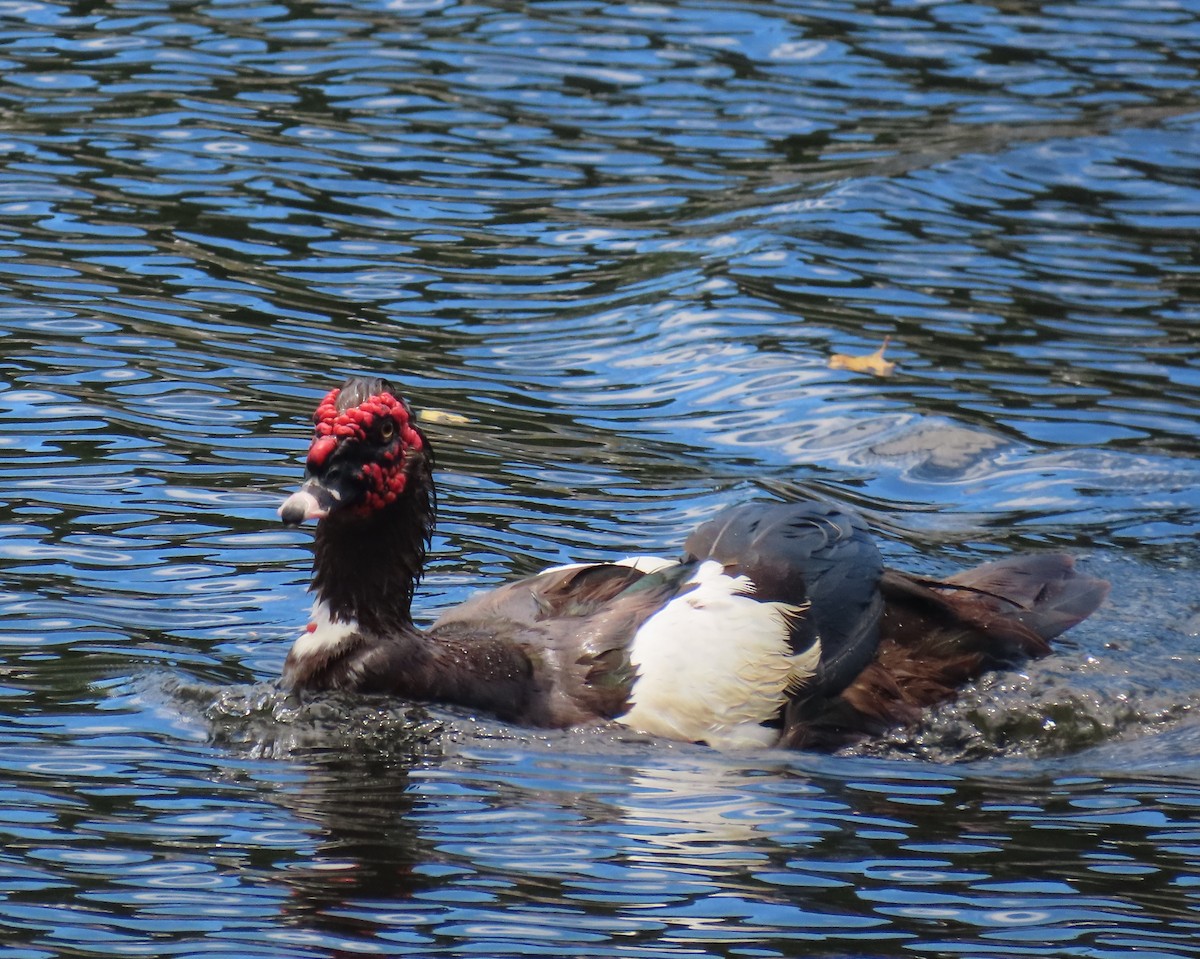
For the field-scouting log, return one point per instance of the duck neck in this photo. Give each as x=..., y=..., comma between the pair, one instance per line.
x=366, y=568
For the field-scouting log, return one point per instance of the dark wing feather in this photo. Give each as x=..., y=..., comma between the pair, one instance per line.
x=574, y=627
x=936, y=636
x=575, y=591
x=812, y=554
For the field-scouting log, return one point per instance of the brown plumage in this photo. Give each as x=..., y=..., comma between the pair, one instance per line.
x=936, y=636
x=822, y=645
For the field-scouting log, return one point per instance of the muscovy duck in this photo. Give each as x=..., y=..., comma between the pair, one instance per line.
x=779, y=625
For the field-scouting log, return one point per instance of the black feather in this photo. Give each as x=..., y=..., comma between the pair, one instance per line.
x=806, y=553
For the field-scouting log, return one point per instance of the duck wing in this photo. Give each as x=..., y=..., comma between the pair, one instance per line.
x=571, y=627
x=938, y=635
x=565, y=591
x=815, y=556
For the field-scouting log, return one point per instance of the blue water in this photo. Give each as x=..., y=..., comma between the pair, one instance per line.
x=609, y=248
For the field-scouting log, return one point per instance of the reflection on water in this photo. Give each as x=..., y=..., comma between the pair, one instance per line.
x=587, y=843
x=619, y=242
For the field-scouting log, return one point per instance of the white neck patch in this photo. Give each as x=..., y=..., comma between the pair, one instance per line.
x=324, y=634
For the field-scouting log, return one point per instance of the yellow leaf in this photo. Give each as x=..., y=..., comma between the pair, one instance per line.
x=441, y=416
x=873, y=363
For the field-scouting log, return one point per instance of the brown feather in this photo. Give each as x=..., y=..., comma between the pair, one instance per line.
x=936, y=636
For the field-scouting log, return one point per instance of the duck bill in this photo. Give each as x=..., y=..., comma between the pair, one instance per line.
x=313, y=500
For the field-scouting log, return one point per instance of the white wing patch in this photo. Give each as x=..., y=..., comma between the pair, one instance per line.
x=643, y=564
x=646, y=564
x=323, y=635
x=714, y=664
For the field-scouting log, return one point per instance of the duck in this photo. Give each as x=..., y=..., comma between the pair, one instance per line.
x=778, y=625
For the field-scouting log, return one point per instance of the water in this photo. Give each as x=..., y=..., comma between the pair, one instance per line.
x=611, y=248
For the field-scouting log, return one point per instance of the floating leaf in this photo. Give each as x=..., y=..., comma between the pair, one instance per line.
x=872, y=363
x=441, y=416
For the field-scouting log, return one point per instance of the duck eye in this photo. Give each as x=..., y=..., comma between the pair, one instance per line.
x=387, y=428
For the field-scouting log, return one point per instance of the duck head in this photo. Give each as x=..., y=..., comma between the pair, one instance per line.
x=366, y=456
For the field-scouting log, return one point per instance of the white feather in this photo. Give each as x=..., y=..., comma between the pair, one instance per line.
x=647, y=564
x=714, y=664
x=323, y=634
x=643, y=564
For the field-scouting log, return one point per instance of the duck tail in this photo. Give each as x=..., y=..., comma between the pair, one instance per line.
x=936, y=635
x=1002, y=611
x=1043, y=591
